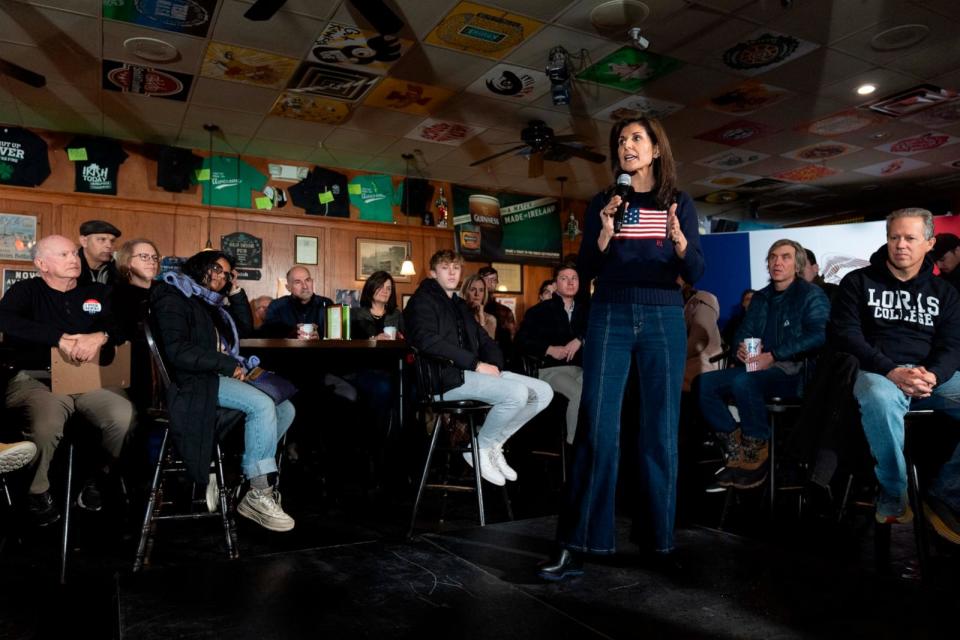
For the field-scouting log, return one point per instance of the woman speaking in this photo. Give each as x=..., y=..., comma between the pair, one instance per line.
x=637, y=239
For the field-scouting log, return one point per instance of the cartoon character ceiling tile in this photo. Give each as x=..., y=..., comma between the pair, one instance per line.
x=303, y=106
x=510, y=82
x=482, y=30
x=349, y=46
x=248, y=66
x=406, y=96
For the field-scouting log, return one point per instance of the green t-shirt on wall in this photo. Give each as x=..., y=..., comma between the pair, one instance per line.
x=230, y=182
x=373, y=196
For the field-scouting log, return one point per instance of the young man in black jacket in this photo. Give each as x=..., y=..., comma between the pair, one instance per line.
x=552, y=331
x=54, y=310
x=903, y=326
x=439, y=324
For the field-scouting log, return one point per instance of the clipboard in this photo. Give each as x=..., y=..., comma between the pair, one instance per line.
x=67, y=378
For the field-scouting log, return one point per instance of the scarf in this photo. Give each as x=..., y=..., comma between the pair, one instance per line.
x=189, y=288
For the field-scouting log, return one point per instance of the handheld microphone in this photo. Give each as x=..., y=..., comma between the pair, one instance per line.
x=623, y=189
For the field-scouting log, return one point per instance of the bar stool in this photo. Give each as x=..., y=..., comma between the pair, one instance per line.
x=428, y=376
x=169, y=464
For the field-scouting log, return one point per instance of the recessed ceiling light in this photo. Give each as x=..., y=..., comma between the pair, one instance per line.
x=151, y=49
x=900, y=37
x=866, y=89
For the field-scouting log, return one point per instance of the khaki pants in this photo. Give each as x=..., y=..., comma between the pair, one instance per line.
x=46, y=413
x=567, y=380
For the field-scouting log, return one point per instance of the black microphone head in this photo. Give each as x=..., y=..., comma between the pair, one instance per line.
x=623, y=180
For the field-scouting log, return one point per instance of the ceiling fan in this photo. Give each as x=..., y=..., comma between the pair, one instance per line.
x=376, y=12
x=542, y=144
x=26, y=76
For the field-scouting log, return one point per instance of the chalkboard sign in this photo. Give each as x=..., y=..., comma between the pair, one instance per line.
x=13, y=276
x=246, y=249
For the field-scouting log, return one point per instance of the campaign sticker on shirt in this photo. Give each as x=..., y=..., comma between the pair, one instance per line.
x=92, y=306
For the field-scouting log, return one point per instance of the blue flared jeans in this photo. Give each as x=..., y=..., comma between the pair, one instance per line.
x=618, y=334
x=265, y=424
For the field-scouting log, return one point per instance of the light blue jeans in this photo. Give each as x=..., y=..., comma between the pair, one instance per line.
x=882, y=408
x=265, y=424
x=515, y=399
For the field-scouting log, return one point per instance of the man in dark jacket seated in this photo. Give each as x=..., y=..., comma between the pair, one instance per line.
x=552, y=331
x=903, y=326
x=287, y=313
x=439, y=324
x=789, y=316
x=54, y=310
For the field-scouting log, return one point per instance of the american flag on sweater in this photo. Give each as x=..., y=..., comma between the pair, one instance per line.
x=643, y=224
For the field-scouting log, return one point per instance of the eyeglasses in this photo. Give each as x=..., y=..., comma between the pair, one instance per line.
x=216, y=268
x=148, y=257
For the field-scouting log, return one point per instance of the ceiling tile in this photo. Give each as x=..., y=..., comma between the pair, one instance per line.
x=425, y=152
x=533, y=53
x=440, y=67
x=81, y=70
x=347, y=159
x=858, y=44
x=221, y=94
x=226, y=143
x=948, y=8
x=943, y=57
x=577, y=16
x=544, y=10
x=382, y=120
x=136, y=129
x=585, y=98
x=86, y=7
x=321, y=9
x=487, y=112
x=294, y=130
x=364, y=142
x=127, y=106
x=58, y=33
x=887, y=82
x=57, y=120
x=229, y=121
x=825, y=23
x=815, y=70
x=9, y=114
x=420, y=17
x=264, y=148
x=286, y=33
x=190, y=49
x=61, y=97
x=691, y=84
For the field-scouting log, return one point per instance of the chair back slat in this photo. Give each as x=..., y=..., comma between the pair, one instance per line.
x=429, y=371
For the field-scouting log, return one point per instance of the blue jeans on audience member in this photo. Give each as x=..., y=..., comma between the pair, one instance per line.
x=265, y=424
x=618, y=334
x=749, y=392
x=882, y=408
x=515, y=399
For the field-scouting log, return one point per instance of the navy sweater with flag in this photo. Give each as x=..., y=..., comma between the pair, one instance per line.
x=640, y=265
x=884, y=322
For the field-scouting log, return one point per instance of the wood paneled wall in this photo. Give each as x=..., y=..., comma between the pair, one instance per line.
x=179, y=223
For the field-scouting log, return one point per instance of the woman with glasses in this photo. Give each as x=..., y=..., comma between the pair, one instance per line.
x=198, y=337
x=138, y=262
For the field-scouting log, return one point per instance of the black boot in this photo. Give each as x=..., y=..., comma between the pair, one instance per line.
x=565, y=564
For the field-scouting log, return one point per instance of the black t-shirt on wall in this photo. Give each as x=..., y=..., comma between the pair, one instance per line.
x=23, y=157
x=98, y=173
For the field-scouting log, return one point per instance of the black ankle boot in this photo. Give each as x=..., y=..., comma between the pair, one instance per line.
x=565, y=564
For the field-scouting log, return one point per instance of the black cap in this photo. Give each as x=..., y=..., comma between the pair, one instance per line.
x=946, y=242
x=91, y=227
x=486, y=271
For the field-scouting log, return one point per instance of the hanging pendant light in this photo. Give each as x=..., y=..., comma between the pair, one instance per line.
x=407, y=268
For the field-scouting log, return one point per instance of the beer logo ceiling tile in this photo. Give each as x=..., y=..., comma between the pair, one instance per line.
x=247, y=66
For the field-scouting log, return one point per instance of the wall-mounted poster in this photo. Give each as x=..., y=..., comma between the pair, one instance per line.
x=628, y=69
x=191, y=17
x=147, y=81
x=481, y=30
x=18, y=234
x=249, y=66
x=13, y=276
x=348, y=46
x=506, y=227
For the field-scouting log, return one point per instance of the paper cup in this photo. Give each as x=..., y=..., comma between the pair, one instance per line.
x=391, y=332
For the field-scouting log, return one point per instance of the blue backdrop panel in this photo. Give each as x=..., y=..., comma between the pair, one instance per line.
x=728, y=269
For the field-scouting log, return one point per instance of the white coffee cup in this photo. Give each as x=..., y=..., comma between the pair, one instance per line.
x=391, y=332
x=306, y=330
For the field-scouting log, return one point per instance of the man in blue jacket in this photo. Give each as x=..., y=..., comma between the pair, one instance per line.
x=902, y=325
x=789, y=316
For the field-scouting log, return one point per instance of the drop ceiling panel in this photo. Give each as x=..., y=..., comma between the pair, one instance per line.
x=244, y=124
x=533, y=53
x=86, y=7
x=190, y=49
x=858, y=44
x=363, y=142
x=827, y=22
x=60, y=97
x=293, y=130
x=420, y=17
x=61, y=120
x=886, y=81
x=349, y=159
x=577, y=15
x=79, y=70
x=427, y=152
x=194, y=137
x=286, y=33
x=135, y=129
x=275, y=149
x=145, y=109
x=542, y=10
x=943, y=57
x=222, y=94
x=321, y=9
x=440, y=67
x=486, y=112
x=382, y=120
x=57, y=32
x=815, y=70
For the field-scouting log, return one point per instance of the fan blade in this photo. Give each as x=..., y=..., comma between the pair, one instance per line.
x=263, y=9
x=497, y=155
x=585, y=154
x=567, y=137
x=25, y=76
x=379, y=15
x=535, y=169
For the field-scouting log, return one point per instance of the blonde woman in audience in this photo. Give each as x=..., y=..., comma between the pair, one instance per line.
x=474, y=293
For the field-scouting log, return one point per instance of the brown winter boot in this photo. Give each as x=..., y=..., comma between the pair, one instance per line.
x=733, y=459
x=753, y=468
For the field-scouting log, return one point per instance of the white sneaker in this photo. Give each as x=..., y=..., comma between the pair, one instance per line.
x=488, y=467
x=497, y=456
x=261, y=506
x=15, y=455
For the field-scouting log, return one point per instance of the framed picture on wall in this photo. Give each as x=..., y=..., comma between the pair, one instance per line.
x=381, y=255
x=18, y=234
x=510, y=276
x=306, y=249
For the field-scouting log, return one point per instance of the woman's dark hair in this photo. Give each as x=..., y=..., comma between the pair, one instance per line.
x=664, y=168
x=374, y=282
x=544, y=285
x=198, y=265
